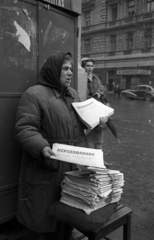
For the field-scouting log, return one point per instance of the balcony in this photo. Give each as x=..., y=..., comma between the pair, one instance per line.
x=147, y=15
x=87, y=5
x=127, y=52
x=146, y=50
x=129, y=20
x=86, y=28
x=111, y=53
x=119, y=23
x=112, y=23
x=100, y=26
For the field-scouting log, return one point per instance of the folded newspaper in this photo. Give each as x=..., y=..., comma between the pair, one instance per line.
x=78, y=155
x=91, y=189
x=91, y=110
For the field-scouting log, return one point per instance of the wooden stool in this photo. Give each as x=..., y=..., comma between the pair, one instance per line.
x=120, y=217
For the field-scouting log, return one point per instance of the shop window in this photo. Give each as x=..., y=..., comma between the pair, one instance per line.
x=88, y=18
x=129, y=40
x=148, y=38
x=113, y=43
x=87, y=45
x=131, y=8
x=150, y=5
x=114, y=11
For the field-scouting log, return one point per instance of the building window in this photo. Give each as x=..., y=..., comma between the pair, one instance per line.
x=148, y=38
x=113, y=43
x=131, y=8
x=129, y=40
x=87, y=45
x=114, y=11
x=88, y=18
x=150, y=5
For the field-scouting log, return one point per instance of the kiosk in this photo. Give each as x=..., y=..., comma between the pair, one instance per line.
x=30, y=32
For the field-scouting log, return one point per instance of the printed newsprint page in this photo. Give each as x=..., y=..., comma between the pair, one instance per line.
x=91, y=110
x=78, y=155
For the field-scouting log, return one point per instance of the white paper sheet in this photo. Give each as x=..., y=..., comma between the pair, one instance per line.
x=78, y=155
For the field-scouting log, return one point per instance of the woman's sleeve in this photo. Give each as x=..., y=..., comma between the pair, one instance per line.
x=27, y=128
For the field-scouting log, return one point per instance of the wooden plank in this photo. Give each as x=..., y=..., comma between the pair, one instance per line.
x=117, y=215
x=80, y=237
x=119, y=206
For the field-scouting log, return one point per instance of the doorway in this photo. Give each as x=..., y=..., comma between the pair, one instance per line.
x=110, y=84
x=128, y=82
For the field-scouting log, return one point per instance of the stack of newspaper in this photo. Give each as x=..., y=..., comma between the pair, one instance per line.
x=92, y=188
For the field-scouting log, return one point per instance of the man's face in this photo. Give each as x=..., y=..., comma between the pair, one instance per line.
x=89, y=66
x=66, y=74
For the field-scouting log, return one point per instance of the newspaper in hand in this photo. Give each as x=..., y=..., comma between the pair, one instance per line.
x=78, y=155
x=91, y=110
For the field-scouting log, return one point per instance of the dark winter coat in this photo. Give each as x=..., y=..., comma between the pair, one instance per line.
x=96, y=135
x=94, y=87
x=45, y=116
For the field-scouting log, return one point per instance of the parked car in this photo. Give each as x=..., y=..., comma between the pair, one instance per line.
x=145, y=92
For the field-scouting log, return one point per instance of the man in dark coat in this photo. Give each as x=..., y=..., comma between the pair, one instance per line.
x=45, y=116
x=96, y=90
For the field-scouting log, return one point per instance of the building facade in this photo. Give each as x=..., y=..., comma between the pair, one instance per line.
x=119, y=36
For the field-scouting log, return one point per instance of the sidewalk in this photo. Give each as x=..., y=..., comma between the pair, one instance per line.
x=110, y=94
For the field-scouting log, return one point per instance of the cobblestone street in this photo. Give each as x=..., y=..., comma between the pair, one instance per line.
x=134, y=157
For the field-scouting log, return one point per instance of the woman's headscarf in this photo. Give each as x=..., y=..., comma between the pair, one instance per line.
x=51, y=70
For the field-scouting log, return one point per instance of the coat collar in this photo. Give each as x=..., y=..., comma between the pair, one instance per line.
x=59, y=93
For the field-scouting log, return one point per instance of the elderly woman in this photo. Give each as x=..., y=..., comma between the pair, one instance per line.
x=45, y=116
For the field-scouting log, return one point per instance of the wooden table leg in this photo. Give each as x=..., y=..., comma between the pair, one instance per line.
x=61, y=231
x=127, y=228
x=92, y=237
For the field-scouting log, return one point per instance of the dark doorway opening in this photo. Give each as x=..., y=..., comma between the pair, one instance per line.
x=128, y=82
x=110, y=84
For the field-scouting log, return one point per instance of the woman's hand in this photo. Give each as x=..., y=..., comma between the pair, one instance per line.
x=108, y=104
x=47, y=154
x=97, y=95
x=103, y=120
x=102, y=125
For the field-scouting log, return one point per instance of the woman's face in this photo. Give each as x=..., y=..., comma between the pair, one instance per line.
x=66, y=74
x=89, y=66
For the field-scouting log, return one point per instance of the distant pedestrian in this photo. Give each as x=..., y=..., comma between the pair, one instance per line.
x=117, y=91
x=114, y=90
x=95, y=90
